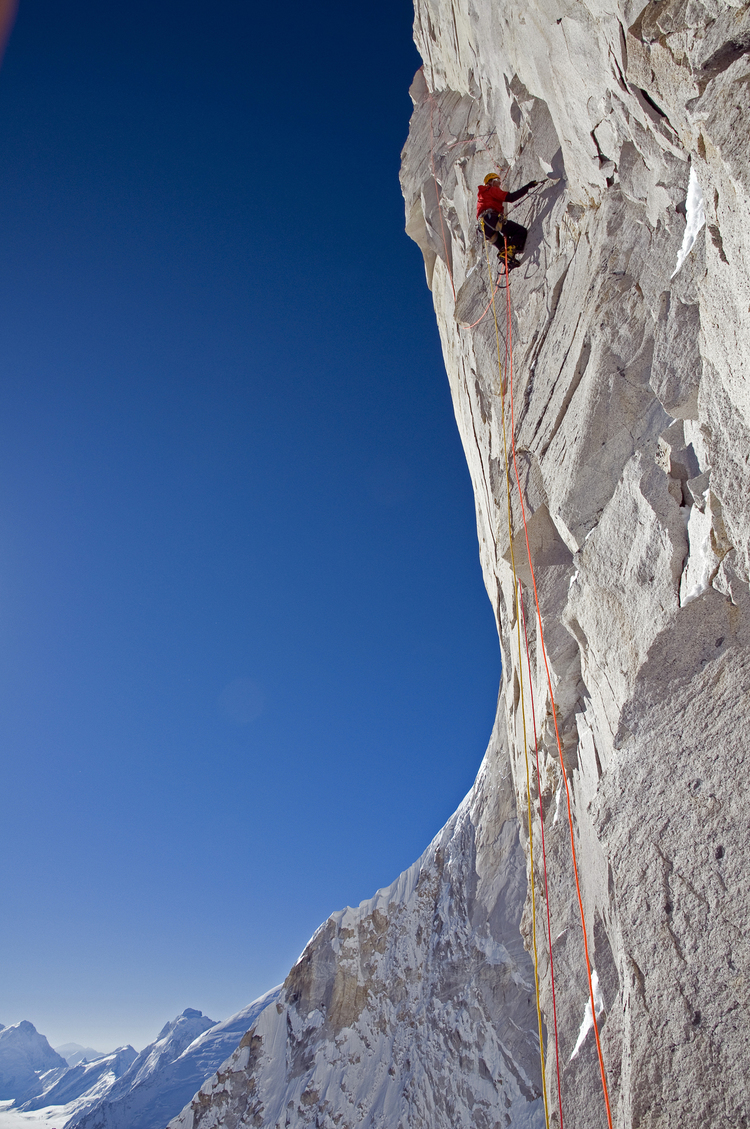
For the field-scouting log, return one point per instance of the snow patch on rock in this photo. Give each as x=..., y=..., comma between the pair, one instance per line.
x=695, y=217
x=588, y=1016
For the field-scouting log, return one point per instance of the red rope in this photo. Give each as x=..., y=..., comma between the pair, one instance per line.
x=557, y=732
x=544, y=857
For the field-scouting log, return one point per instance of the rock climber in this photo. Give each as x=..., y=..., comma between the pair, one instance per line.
x=494, y=226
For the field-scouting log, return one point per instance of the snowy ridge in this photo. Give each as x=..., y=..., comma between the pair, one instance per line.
x=124, y=1090
x=400, y=890
x=74, y=1053
x=372, y=1015
x=27, y=1062
x=82, y=1086
x=167, y=1073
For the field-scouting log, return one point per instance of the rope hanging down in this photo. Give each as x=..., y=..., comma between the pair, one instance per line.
x=508, y=347
x=520, y=613
x=516, y=589
x=519, y=605
x=487, y=308
x=554, y=718
x=544, y=861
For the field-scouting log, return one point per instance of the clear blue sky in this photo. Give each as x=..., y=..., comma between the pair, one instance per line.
x=247, y=664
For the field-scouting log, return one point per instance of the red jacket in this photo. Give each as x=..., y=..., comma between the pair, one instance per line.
x=490, y=196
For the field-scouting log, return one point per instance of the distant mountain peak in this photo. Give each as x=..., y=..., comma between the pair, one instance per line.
x=73, y=1053
x=24, y=1055
x=167, y=1073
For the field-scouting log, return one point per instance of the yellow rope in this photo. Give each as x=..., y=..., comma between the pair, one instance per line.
x=516, y=585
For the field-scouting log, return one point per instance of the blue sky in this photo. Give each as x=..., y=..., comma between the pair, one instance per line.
x=247, y=664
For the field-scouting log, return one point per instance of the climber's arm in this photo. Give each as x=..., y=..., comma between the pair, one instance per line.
x=519, y=192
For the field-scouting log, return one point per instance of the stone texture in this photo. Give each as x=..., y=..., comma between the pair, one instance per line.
x=630, y=408
x=630, y=412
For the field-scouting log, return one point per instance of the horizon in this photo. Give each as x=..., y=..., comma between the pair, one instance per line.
x=71, y=1047
x=249, y=667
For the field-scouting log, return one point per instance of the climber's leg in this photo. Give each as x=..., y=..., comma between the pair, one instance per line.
x=515, y=236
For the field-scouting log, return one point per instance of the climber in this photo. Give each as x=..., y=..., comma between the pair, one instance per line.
x=505, y=234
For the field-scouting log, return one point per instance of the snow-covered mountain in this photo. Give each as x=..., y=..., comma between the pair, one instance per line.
x=408, y=1008
x=124, y=1089
x=84, y=1084
x=25, y=1059
x=167, y=1073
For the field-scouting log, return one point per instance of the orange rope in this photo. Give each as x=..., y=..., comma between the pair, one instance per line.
x=541, y=635
x=488, y=307
x=557, y=732
x=516, y=591
x=544, y=860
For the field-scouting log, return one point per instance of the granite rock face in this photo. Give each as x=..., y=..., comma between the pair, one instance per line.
x=630, y=412
x=629, y=408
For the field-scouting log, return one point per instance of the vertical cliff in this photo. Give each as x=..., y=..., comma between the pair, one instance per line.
x=629, y=413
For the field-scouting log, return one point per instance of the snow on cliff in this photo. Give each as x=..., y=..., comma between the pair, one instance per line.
x=631, y=427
